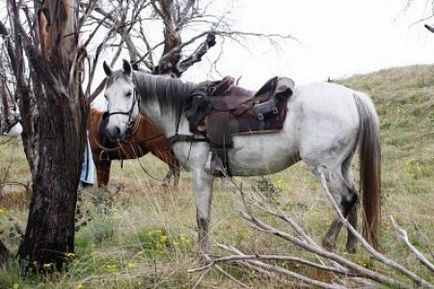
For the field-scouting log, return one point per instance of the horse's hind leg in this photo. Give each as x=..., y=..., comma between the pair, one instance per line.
x=344, y=194
x=352, y=219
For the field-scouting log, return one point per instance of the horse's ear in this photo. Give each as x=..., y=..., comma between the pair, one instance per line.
x=127, y=67
x=108, y=71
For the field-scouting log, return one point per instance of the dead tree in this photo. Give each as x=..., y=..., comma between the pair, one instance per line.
x=126, y=22
x=178, y=47
x=54, y=116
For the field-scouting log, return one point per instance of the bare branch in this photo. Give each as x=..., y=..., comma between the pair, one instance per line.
x=402, y=234
x=425, y=238
x=281, y=270
x=196, y=56
x=291, y=259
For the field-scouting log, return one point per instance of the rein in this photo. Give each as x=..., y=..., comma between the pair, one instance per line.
x=141, y=165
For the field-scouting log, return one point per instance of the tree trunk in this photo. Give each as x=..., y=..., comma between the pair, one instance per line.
x=60, y=130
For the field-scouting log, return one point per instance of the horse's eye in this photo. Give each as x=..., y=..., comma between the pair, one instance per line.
x=128, y=94
x=105, y=96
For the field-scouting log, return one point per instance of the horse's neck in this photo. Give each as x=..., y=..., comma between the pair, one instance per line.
x=169, y=123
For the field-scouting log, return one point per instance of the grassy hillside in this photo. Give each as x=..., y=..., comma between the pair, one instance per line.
x=139, y=236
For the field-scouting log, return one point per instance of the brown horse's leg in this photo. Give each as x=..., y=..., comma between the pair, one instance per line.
x=174, y=171
x=102, y=172
x=167, y=156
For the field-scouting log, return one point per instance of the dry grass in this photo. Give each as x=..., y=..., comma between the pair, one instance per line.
x=139, y=236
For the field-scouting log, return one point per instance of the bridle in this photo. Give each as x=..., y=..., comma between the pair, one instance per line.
x=135, y=101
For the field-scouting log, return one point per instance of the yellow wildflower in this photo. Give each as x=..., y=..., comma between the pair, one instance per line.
x=111, y=267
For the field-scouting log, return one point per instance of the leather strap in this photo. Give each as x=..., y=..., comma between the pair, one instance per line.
x=186, y=138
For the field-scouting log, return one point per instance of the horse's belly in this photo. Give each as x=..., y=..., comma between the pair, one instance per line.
x=261, y=154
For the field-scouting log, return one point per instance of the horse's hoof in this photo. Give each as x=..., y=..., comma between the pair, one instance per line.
x=328, y=245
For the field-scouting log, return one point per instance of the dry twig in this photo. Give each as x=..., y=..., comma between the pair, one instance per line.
x=402, y=234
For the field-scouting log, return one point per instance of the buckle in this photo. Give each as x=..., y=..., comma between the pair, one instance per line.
x=260, y=116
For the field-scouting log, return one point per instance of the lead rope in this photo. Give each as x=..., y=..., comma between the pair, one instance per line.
x=140, y=163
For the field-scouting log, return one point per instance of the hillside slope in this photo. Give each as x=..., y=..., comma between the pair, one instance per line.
x=404, y=98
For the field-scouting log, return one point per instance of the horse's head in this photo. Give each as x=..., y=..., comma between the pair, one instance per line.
x=122, y=101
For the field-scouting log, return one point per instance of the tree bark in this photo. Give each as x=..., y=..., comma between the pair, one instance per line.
x=60, y=129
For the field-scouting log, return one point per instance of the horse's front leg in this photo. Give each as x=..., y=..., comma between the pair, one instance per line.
x=202, y=185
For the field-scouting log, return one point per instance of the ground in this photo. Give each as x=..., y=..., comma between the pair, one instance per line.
x=140, y=236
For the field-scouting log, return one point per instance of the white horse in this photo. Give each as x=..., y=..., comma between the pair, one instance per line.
x=325, y=123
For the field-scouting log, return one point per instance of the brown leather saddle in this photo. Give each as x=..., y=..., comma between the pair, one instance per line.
x=245, y=110
x=220, y=109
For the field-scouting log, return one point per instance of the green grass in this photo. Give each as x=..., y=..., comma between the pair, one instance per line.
x=139, y=236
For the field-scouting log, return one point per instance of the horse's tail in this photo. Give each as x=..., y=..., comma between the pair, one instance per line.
x=370, y=167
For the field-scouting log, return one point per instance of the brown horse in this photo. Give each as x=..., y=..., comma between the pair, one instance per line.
x=144, y=138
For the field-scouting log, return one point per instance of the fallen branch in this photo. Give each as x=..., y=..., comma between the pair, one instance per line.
x=345, y=272
x=281, y=270
x=243, y=257
x=402, y=234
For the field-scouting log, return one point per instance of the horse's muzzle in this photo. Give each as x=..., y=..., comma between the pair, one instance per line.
x=114, y=133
